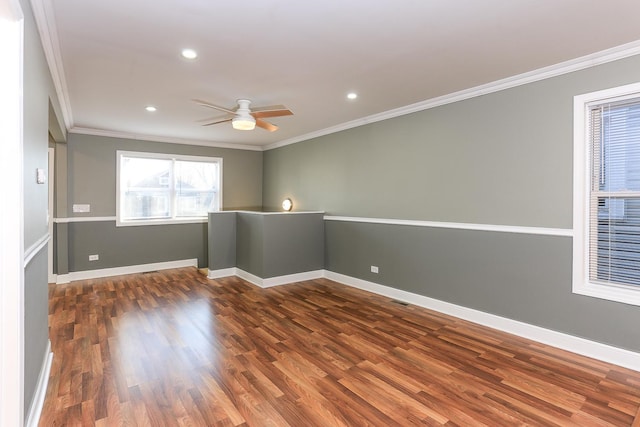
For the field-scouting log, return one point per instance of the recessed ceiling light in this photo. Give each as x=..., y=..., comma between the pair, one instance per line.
x=189, y=54
x=150, y=108
x=352, y=95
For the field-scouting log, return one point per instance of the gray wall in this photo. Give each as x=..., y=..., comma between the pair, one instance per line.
x=294, y=243
x=503, y=158
x=126, y=246
x=269, y=245
x=250, y=243
x=36, y=329
x=222, y=240
x=90, y=175
x=37, y=96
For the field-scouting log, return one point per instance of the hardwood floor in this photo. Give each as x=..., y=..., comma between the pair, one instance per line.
x=174, y=348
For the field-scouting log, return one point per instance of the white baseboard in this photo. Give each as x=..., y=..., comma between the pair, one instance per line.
x=596, y=350
x=249, y=277
x=279, y=280
x=33, y=417
x=291, y=278
x=224, y=272
x=62, y=278
x=131, y=269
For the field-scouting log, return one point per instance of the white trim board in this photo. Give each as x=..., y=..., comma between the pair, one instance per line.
x=224, y=272
x=84, y=219
x=76, y=219
x=596, y=350
x=564, y=232
x=35, y=409
x=268, y=282
x=51, y=162
x=118, y=271
x=266, y=213
x=34, y=249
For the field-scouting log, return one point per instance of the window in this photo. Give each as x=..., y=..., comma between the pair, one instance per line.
x=606, y=256
x=155, y=188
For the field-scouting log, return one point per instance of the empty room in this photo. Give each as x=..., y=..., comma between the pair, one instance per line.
x=339, y=213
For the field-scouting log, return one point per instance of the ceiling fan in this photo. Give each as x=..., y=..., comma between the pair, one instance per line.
x=244, y=118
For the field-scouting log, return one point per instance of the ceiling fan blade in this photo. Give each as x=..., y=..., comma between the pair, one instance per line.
x=215, y=107
x=266, y=125
x=215, y=122
x=215, y=118
x=269, y=108
x=271, y=113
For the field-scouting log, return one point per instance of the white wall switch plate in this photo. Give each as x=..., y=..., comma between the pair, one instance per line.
x=41, y=176
x=82, y=208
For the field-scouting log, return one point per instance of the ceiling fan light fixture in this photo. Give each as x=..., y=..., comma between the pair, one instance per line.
x=243, y=123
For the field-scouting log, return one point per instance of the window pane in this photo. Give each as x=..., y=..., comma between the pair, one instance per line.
x=145, y=188
x=620, y=148
x=615, y=198
x=618, y=241
x=197, y=188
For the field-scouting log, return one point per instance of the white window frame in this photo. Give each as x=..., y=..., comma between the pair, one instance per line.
x=581, y=192
x=164, y=156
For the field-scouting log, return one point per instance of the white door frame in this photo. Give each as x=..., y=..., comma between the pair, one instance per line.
x=50, y=210
x=11, y=217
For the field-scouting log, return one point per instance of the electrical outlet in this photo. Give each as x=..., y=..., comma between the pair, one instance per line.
x=374, y=269
x=94, y=257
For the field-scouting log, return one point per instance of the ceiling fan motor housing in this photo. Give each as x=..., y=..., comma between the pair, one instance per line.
x=243, y=119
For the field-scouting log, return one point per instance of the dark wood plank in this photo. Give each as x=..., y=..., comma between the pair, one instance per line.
x=173, y=348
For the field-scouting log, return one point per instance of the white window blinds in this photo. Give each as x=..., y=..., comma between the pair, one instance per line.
x=614, y=216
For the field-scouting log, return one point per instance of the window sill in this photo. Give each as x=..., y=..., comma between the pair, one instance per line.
x=618, y=293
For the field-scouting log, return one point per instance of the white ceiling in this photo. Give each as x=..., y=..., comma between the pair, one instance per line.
x=112, y=58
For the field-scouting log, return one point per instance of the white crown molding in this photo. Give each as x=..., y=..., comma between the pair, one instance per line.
x=564, y=232
x=155, y=138
x=577, y=64
x=46, y=23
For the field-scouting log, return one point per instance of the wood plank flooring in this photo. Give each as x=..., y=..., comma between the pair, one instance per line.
x=173, y=348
